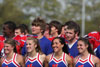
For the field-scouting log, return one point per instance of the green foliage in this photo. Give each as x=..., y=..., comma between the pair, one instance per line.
x=50, y=10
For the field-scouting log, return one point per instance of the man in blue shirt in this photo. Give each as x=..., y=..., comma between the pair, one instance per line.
x=72, y=32
x=38, y=28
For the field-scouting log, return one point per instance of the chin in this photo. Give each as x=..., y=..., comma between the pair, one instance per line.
x=80, y=52
x=56, y=51
x=6, y=53
x=29, y=51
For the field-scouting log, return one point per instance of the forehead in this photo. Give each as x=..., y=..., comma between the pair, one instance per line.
x=29, y=41
x=17, y=29
x=6, y=44
x=56, y=40
x=5, y=26
x=80, y=41
x=69, y=30
x=65, y=27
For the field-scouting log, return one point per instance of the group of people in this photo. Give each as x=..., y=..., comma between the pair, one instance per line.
x=49, y=45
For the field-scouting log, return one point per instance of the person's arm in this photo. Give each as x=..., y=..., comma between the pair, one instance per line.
x=96, y=61
x=74, y=61
x=21, y=60
x=46, y=61
x=70, y=61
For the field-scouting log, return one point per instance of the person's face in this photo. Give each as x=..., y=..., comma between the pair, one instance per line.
x=36, y=29
x=57, y=46
x=63, y=31
x=5, y=30
x=65, y=28
x=53, y=30
x=17, y=32
x=8, y=48
x=30, y=45
x=70, y=34
x=81, y=46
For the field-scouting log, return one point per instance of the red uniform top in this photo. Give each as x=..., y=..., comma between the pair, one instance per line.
x=94, y=39
x=20, y=43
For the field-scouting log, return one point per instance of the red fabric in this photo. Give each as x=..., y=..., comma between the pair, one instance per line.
x=94, y=39
x=1, y=45
x=51, y=38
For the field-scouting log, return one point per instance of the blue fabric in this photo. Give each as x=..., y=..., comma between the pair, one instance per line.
x=87, y=64
x=98, y=52
x=73, y=51
x=32, y=64
x=45, y=46
x=9, y=65
x=58, y=64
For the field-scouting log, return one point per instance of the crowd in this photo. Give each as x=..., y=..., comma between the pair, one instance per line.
x=50, y=44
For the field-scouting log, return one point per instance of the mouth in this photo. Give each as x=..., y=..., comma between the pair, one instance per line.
x=55, y=48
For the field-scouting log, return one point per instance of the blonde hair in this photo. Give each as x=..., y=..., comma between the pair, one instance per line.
x=36, y=41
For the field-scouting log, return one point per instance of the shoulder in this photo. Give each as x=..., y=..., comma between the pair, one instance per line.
x=75, y=59
x=95, y=59
x=42, y=56
x=48, y=57
x=21, y=58
x=44, y=38
x=68, y=58
x=2, y=59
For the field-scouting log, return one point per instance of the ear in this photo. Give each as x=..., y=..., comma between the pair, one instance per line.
x=23, y=33
x=87, y=45
x=12, y=47
x=41, y=30
x=35, y=45
x=76, y=34
x=62, y=45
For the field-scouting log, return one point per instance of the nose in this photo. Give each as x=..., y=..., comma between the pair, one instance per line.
x=66, y=33
x=5, y=47
x=53, y=45
x=78, y=46
x=27, y=45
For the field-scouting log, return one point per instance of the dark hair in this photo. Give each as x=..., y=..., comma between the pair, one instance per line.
x=39, y=22
x=62, y=41
x=22, y=29
x=73, y=25
x=12, y=42
x=56, y=24
x=11, y=25
x=86, y=41
x=25, y=27
x=36, y=41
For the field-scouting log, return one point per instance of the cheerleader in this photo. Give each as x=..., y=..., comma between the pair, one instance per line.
x=59, y=57
x=86, y=57
x=34, y=56
x=11, y=58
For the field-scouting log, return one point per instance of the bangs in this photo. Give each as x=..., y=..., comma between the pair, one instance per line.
x=36, y=24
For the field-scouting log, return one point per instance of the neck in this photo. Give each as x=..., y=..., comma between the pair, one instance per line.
x=9, y=56
x=84, y=54
x=32, y=54
x=39, y=36
x=58, y=53
x=72, y=41
x=55, y=35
